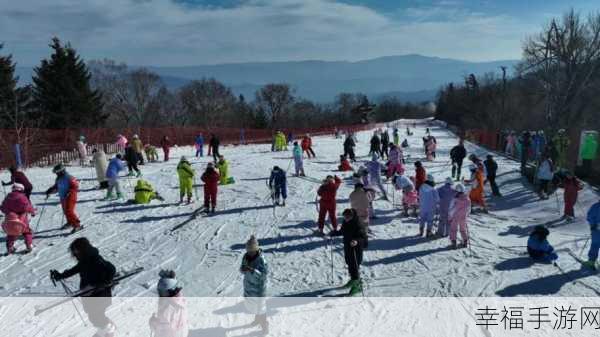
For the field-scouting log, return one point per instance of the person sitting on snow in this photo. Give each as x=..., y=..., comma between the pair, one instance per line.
x=459, y=211
x=429, y=200
x=298, y=160
x=171, y=317
x=16, y=208
x=344, y=164
x=538, y=247
x=447, y=194
x=278, y=185
x=223, y=167
x=145, y=193
x=151, y=153
x=186, y=179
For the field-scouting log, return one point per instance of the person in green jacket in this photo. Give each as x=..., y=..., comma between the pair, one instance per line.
x=223, y=167
x=186, y=179
x=562, y=142
x=589, y=152
x=144, y=193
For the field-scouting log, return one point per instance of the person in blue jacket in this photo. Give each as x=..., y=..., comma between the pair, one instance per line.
x=278, y=184
x=593, y=219
x=115, y=166
x=199, y=142
x=538, y=247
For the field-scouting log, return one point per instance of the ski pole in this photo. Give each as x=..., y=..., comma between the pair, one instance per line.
x=557, y=202
x=196, y=189
x=331, y=253
x=69, y=292
x=584, y=245
x=40, y=219
x=362, y=290
x=4, y=190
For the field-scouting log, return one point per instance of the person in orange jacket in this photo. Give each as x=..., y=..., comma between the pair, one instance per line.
x=67, y=187
x=327, y=203
x=477, y=194
x=420, y=175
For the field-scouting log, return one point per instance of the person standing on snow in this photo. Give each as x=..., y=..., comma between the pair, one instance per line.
x=545, y=174
x=410, y=197
x=477, y=194
x=138, y=148
x=491, y=167
x=171, y=318
x=420, y=175
x=385, y=143
x=18, y=177
x=447, y=194
x=82, y=150
x=16, y=208
x=165, y=144
x=429, y=200
x=459, y=211
x=278, y=185
x=593, y=218
x=96, y=273
x=307, y=146
x=457, y=155
x=255, y=270
x=355, y=241
x=121, y=142
x=396, y=135
x=538, y=247
x=210, y=177
x=67, y=187
x=360, y=202
x=298, y=160
x=214, y=145
x=349, y=145
x=561, y=142
x=115, y=166
x=572, y=186
x=327, y=204
x=132, y=160
x=100, y=163
x=186, y=179
x=199, y=142
x=375, y=145
x=375, y=168
x=395, y=161
x=525, y=142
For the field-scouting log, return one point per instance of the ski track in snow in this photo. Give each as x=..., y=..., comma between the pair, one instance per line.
x=206, y=251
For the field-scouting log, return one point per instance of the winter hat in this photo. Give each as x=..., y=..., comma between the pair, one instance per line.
x=430, y=178
x=541, y=231
x=252, y=244
x=210, y=165
x=135, y=137
x=490, y=156
x=18, y=187
x=276, y=168
x=374, y=157
x=472, y=168
x=183, y=158
x=418, y=164
x=168, y=285
x=119, y=156
x=460, y=188
x=58, y=168
x=449, y=181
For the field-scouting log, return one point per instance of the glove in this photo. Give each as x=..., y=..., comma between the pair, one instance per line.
x=55, y=275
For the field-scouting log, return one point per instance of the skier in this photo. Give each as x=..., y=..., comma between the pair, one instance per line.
x=349, y=145
x=572, y=186
x=307, y=146
x=355, y=241
x=395, y=161
x=375, y=145
x=298, y=160
x=396, y=136
x=593, y=218
x=16, y=208
x=510, y=144
x=145, y=193
x=210, y=177
x=457, y=155
x=385, y=143
x=477, y=194
x=186, y=179
x=214, y=145
x=199, y=143
x=561, y=142
x=151, y=153
x=374, y=167
x=166, y=144
x=344, y=164
x=410, y=198
x=459, y=211
x=491, y=169
x=420, y=175
x=278, y=185
x=538, y=247
x=138, y=148
x=18, y=176
x=545, y=174
x=99, y=162
x=82, y=150
x=525, y=143
x=94, y=272
x=67, y=187
x=115, y=166
x=170, y=319
x=255, y=270
x=121, y=142
x=327, y=191
x=361, y=202
x=132, y=160
x=429, y=200
x=223, y=167
x=447, y=194
x=431, y=148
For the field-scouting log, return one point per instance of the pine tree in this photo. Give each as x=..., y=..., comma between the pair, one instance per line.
x=62, y=90
x=8, y=83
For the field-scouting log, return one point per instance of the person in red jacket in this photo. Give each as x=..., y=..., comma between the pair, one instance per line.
x=165, y=143
x=210, y=177
x=17, y=176
x=420, y=176
x=344, y=164
x=327, y=192
x=67, y=187
x=572, y=186
x=16, y=207
x=307, y=146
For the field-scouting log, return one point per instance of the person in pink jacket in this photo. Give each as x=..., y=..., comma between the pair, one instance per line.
x=16, y=208
x=395, y=161
x=171, y=319
x=122, y=141
x=459, y=211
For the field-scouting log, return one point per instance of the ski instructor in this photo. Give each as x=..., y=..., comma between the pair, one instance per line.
x=94, y=273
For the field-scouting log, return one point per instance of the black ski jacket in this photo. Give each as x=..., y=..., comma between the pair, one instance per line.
x=93, y=271
x=458, y=153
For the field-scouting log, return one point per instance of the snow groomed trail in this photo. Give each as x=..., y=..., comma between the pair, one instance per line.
x=206, y=251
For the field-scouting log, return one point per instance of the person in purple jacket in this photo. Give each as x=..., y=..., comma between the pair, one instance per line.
x=447, y=194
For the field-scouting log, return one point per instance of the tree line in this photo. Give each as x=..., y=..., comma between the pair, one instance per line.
x=67, y=92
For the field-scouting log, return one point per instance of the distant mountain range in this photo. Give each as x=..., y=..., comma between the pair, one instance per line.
x=413, y=78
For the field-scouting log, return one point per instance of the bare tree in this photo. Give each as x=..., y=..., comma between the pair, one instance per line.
x=208, y=102
x=275, y=100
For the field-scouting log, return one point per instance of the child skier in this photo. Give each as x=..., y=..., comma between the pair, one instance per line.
x=223, y=167
x=121, y=142
x=298, y=160
x=491, y=169
x=375, y=168
x=457, y=155
x=396, y=135
x=395, y=161
x=170, y=319
x=100, y=164
x=349, y=145
x=429, y=200
x=199, y=143
x=355, y=241
x=538, y=247
x=82, y=150
x=67, y=187
x=16, y=208
x=572, y=186
x=17, y=176
x=138, y=148
x=166, y=144
x=459, y=211
x=186, y=179
x=145, y=193
x=410, y=197
x=477, y=194
x=115, y=166
x=375, y=145
x=151, y=153
x=214, y=144
x=132, y=159
x=344, y=164
x=95, y=273
x=420, y=175
x=255, y=270
x=327, y=204
x=278, y=185
x=210, y=177
x=545, y=174
x=447, y=194
x=593, y=218
x=360, y=202
x=307, y=146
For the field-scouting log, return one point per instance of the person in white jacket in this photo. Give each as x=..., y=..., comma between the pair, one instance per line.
x=545, y=174
x=429, y=200
x=100, y=163
x=170, y=319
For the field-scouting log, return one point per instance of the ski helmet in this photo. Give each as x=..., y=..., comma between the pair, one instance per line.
x=460, y=188
x=430, y=178
x=167, y=285
x=449, y=181
x=252, y=244
x=59, y=168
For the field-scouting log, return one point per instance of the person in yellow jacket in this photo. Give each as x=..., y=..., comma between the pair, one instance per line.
x=186, y=179
x=562, y=142
x=138, y=147
x=144, y=193
x=223, y=167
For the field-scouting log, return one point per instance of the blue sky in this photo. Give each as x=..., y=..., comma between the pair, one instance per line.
x=187, y=32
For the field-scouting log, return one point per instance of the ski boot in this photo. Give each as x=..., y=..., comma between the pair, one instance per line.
x=139, y=174
x=356, y=288
x=350, y=284
x=463, y=244
x=29, y=249
x=109, y=196
x=420, y=231
x=335, y=232
x=119, y=196
x=76, y=229
x=590, y=264
x=130, y=174
x=11, y=251
x=212, y=210
x=189, y=200
x=453, y=244
x=66, y=226
x=283, y=204
x=429, y=234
